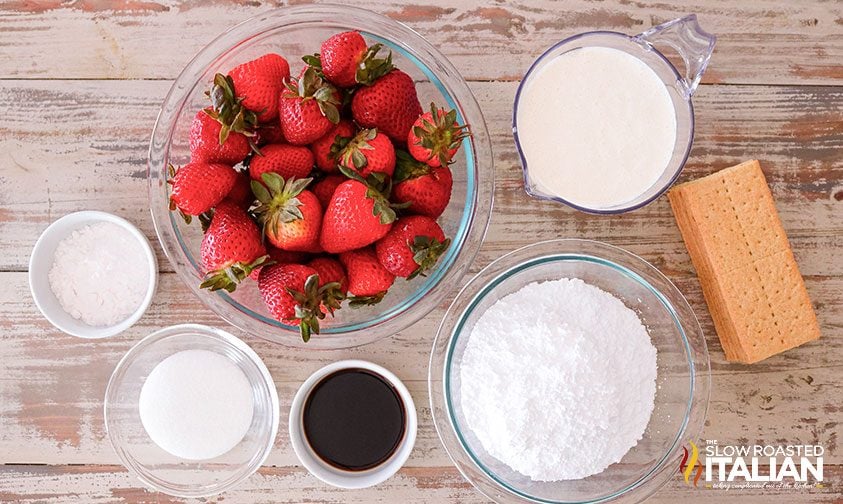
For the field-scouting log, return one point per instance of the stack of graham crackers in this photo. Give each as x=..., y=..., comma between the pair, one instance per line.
x=749, y=278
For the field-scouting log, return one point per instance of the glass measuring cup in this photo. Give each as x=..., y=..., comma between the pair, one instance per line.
x=693, y=45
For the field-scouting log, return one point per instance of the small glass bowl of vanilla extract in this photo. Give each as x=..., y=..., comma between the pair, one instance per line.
x=353, y=424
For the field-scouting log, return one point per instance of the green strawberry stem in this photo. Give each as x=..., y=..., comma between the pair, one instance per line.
x=228, y=278
x=314, y=62
x=371, y=68
x=407, y=167
x=228, y=109
x=309, y=304
x=351, y=153
x=441, y=134
x=426, y=251
x=310, y=86
x=361, y=301
x=278, y=202
x=378, y=187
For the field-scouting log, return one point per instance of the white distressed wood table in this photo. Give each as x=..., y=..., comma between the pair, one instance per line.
x=81, y=85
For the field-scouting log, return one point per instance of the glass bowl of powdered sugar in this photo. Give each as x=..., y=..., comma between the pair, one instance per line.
x=568, y=371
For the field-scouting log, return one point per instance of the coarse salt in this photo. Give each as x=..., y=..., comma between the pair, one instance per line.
x=558, y=380
x=100, y=274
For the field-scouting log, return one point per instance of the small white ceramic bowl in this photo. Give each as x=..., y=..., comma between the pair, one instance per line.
x=41, y=261
x=338, y=477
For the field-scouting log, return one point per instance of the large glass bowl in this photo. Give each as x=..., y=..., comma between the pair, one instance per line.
x=292, y=32
x=682, y=384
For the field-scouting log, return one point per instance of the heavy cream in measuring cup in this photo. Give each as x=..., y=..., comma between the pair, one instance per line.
x=596, y=127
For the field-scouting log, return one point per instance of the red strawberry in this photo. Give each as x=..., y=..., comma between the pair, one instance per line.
x=368, y=152
x=357, y=215
x=324, y=189
x=292, y=295
x=368, y=280
x=412, y=247
x=284, y=159
x=346, y=61
x=308, y=108
x=259, y=83
x=241, y=192
x=231, y=247
x=208, y=144
x=291, y=216
x=426, y=189
x=330, y=270
x=435, y=137
x=198, y=186
x=390, y=104
x=270, y=134
x=325, y=149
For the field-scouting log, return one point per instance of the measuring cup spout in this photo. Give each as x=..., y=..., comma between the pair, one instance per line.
x=693, y=44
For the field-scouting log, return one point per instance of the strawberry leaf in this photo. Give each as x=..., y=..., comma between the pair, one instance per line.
x=407, y=167
x=260, y=192
x=360, y=301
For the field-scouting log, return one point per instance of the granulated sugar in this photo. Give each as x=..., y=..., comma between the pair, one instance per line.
x=558, y=380
x=100, y=274
x=196, y=404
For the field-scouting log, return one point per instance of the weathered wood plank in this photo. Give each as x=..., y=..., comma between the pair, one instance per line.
x=62, y=151
x=760, y=42
x=51, y=385
x=273, y=485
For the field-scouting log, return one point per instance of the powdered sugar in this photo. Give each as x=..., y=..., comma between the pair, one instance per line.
x=558, y=380
x=100, y=274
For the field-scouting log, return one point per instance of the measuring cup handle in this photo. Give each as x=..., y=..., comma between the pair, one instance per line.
x=693, y=44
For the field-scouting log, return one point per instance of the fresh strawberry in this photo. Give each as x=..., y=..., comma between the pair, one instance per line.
x=346, y=61
x=412, y=246
x=368, y=280
x=331, y=271
x=390, y=104
x=259, y=83
x=325, y=149
x=290, y=215
x=228, y=110
x=197, y=186
x=284, y=159
x=292, y=295
x=435, y=137
x=270, y=134
x=370, y=151
x=324, y=188
x=208, y=144
x=241, y=192
x=308, y=108
x=231, y=247
x=357, y=215
x=427, y=190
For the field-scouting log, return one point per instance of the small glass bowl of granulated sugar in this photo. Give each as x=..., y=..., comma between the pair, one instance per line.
x=568, y=371
x=92, y=274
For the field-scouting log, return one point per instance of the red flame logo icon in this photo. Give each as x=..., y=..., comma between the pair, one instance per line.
x=691, y=464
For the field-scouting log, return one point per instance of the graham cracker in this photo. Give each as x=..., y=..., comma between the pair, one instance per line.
x=749, y=277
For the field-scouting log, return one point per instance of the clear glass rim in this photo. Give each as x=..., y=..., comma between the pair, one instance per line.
x=523, y=160
x=566, y=250
x=479, y=191
x=235, y=344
